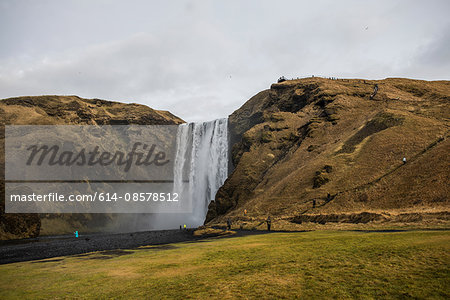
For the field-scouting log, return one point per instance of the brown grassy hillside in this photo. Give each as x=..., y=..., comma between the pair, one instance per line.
x=62, y=110
x=304, y=139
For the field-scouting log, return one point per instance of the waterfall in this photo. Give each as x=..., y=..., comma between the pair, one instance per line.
x=200, y=169
x=202, y=160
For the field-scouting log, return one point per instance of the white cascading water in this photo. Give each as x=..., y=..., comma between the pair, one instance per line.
x=200, y=169
x=201, y=159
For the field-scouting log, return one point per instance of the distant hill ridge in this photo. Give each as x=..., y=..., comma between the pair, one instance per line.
x=75, y=110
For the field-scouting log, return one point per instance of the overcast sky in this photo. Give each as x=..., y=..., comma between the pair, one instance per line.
x=202, y=60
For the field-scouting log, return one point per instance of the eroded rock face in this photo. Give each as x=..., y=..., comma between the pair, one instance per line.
x=64, y=110
x=282, y=138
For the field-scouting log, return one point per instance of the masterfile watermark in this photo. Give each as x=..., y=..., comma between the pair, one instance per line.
x=53, y=156
x=92, y=169
x=101, y=197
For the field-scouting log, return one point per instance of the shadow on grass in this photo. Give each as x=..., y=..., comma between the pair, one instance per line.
x=157, y=247
x=107, y=254
x=46, y=261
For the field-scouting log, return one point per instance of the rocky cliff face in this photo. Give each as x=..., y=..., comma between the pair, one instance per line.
x=61, y=110
x=317, y=146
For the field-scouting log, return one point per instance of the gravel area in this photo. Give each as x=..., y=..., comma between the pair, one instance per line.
x=53, y=246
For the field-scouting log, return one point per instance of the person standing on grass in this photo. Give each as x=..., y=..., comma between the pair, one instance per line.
x=228, y=224
x=269, y=222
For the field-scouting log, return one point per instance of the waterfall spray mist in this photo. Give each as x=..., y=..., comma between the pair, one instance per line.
x=200, y=169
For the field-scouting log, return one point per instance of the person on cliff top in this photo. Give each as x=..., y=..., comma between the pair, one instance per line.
x=269, y=222
x=375, y=90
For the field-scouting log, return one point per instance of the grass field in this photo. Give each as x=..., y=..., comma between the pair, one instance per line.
x=318, y=264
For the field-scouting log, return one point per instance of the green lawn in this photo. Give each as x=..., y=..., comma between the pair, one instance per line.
x=320, y=264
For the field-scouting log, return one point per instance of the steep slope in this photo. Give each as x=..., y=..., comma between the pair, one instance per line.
x=59, y=110
x=304, y=139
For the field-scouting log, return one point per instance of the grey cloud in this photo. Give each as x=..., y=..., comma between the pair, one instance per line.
x=436, y=53
x=202, y=60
